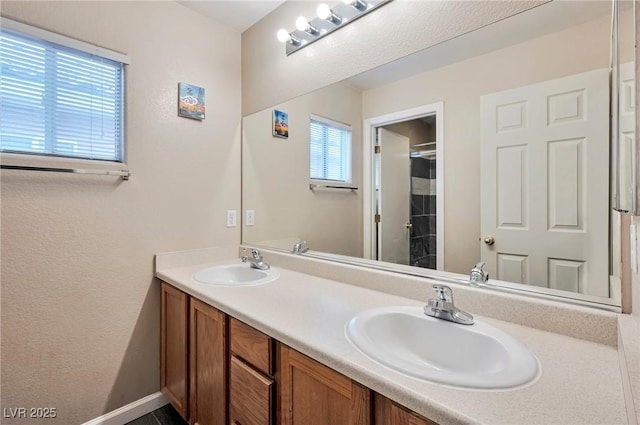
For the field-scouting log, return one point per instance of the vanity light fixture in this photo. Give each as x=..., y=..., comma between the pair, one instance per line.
x=358, y=4
x=328, y=20
x=285, y=36
x=304, y=25
x=325, y=12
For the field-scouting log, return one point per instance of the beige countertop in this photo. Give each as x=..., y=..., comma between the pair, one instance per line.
x=581, y=381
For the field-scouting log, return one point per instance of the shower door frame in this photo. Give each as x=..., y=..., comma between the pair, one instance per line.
x=370, y=126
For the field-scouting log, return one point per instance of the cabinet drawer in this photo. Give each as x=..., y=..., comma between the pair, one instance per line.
x=252, y=346
x=251, y=395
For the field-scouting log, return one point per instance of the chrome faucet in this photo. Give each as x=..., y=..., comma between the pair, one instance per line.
x=442, y=307
x=478, y=275
x=300, y=247
x=256, y=260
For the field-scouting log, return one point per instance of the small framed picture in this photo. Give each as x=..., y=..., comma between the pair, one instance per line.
x=190, y=101
x=280, y=124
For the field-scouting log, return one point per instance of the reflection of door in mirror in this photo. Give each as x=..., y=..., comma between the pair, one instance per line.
x=626, y=128
x=395, y=197
x=545, y=164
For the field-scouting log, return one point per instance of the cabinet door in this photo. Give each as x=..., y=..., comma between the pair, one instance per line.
x=208, y=363
x=389, y=413
x=173, y=348
x=310, y=393
x=251, y=395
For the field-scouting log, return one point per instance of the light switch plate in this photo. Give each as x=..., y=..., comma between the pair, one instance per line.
x=250, y=217
x=232, y=218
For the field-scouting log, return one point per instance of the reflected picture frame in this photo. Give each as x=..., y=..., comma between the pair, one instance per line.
x=191, y=101
x=280, y=124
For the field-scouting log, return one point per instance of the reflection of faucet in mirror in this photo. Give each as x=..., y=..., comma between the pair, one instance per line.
x=257, y=262
x=443, y=308
x=478, y=275
x=300, y=248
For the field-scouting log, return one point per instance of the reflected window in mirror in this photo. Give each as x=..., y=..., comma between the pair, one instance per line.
x=329, y=150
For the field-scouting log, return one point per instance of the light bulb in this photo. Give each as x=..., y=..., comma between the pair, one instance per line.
x=283, y=35
x=323, y=11
x=302, y=24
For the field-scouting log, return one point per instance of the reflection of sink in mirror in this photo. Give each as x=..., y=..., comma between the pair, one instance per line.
x=477, y=356
x=234, y=275
x=503, y=97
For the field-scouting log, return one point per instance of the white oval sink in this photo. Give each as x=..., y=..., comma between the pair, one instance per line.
x=476, y=356
x=235, y=275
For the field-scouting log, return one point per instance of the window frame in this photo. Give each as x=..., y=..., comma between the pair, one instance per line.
x=349, y=160
x=73, y=45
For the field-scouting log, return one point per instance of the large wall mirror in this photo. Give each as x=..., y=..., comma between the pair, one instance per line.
x=492, y=147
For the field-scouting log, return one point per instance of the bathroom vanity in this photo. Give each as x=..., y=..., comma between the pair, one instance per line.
x=277, y=353
x=229, y=366
x=225, y=356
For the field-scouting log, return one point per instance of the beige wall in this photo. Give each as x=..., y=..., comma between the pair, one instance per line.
x=276, y=176
x=460, y=86
x=370, y=41
x=80, y=305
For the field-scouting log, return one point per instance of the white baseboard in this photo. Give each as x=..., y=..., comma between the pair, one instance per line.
x=131, y=411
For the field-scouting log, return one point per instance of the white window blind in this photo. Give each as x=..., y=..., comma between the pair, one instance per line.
x=330, y=150
x=56, y=100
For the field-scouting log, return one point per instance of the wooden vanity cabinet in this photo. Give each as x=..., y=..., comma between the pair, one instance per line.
x=174, y=370
x=386, y=412
x=207, y=365
x=216, y=370
x=310, y=393
x=193, y=357
x=251, y=383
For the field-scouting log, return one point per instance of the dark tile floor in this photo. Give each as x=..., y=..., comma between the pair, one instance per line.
x=166, y=415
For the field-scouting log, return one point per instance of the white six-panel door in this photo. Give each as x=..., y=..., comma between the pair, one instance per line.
x=545, y=183
x=627, y=129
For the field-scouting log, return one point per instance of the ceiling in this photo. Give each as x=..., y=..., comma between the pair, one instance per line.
x=555, y=16
x=239, y=14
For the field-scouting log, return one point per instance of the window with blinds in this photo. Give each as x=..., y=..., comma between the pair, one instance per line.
x=56, y=100
x=330, y=150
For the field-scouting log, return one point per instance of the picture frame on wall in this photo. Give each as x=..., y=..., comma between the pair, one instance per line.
x=280, y=124
x=191, y=101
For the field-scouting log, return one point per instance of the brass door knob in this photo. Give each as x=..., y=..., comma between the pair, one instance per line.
x=489, y=240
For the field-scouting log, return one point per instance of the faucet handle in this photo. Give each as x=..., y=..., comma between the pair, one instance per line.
x=444, y=293
x=478, y=275
x=255, y=253
x=300, y=247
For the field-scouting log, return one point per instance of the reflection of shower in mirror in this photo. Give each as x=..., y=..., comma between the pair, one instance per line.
x=424, y=150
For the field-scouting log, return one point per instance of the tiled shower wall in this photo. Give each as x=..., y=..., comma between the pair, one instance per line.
x=423, y=212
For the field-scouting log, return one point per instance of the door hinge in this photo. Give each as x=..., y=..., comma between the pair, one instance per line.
x=377, y=218
x=376, y=149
